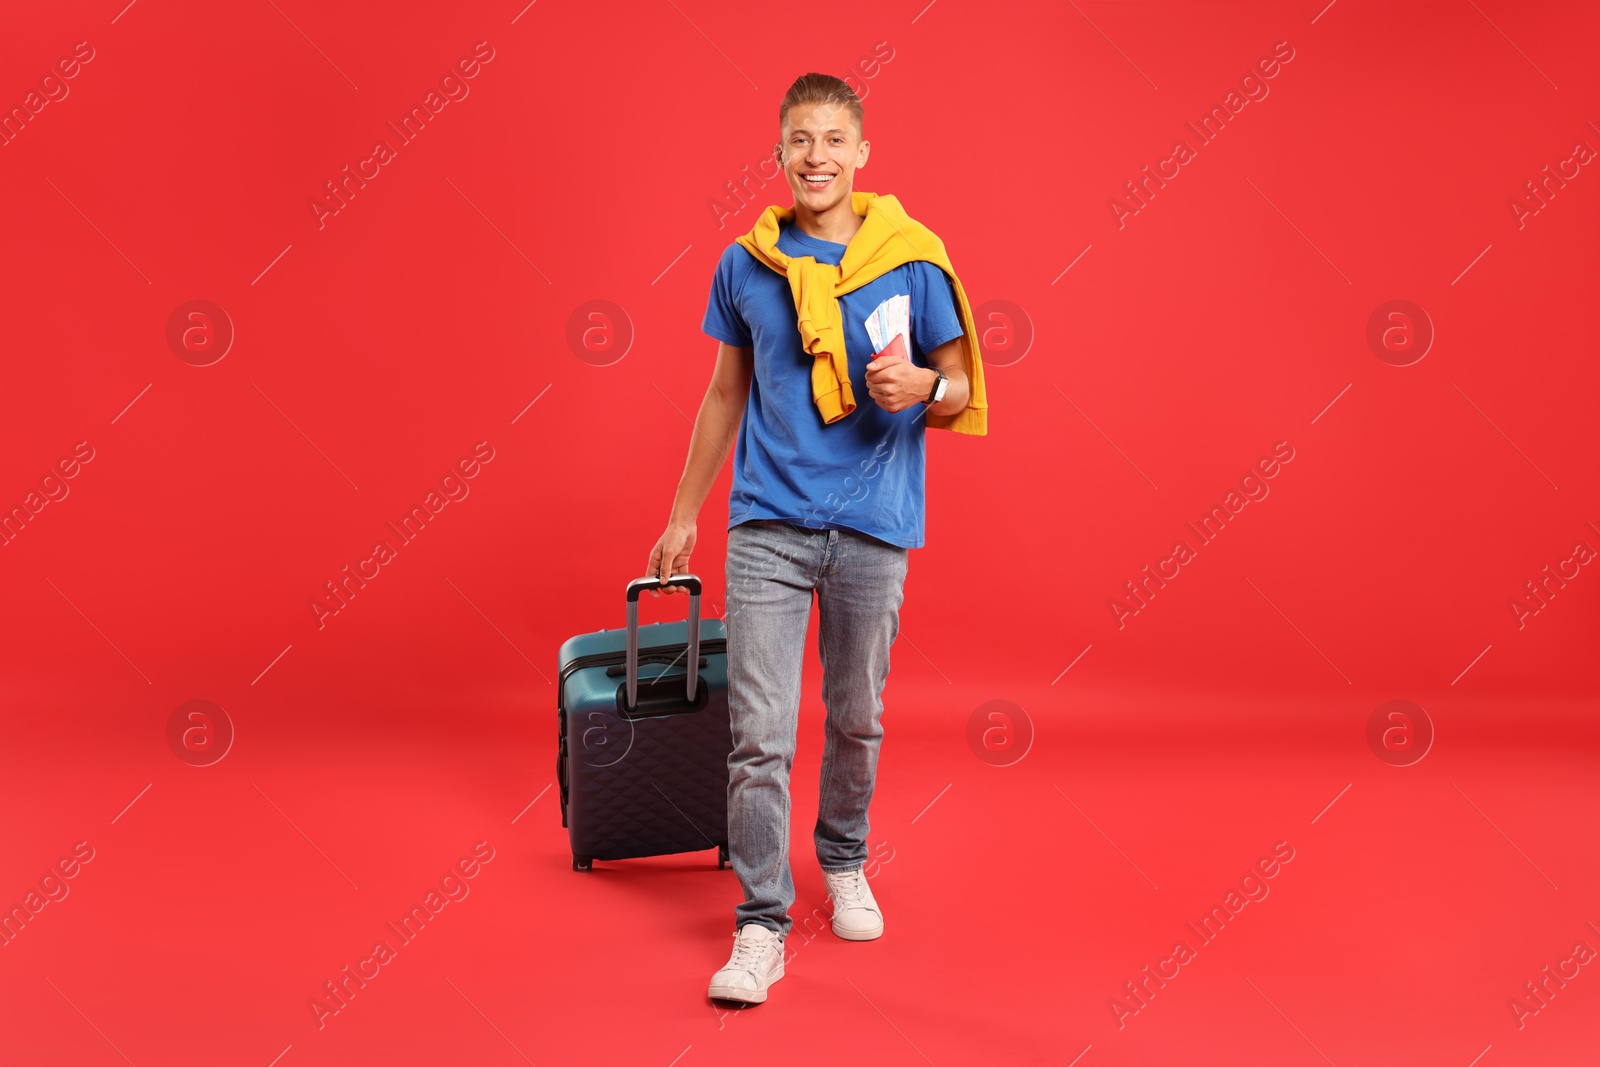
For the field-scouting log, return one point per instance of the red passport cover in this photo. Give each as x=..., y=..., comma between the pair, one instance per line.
x=895, y=349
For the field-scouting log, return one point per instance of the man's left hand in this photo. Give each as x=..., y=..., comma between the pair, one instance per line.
x=896, y=384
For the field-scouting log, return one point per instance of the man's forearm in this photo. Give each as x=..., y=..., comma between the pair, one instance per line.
x=956, y=394
x=951, y=358
x=710, y=445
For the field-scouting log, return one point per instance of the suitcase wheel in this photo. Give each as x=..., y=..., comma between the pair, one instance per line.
x=582, y=863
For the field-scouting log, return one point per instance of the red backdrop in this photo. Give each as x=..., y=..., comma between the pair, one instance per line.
x=1361, y=275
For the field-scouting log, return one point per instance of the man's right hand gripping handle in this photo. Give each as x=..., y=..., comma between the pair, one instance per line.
x=671, y=555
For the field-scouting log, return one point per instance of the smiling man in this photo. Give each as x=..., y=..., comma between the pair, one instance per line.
x=827, y=497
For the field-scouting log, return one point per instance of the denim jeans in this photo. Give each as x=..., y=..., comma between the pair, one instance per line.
x=773, y=569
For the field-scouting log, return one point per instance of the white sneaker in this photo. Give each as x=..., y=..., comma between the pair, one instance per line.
x=756, y=963
x=856, y=916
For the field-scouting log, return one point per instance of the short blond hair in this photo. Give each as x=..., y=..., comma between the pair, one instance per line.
x=821, y=89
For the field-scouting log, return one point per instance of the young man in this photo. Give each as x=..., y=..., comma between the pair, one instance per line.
x=827, y=497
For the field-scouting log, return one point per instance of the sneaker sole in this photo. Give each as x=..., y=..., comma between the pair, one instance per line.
x=744, y=996
x=860, y=935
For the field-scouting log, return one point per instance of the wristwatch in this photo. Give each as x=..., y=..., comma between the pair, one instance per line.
x=939, y=388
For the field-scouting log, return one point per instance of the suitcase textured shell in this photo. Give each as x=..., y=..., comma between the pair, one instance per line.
x=655, y=782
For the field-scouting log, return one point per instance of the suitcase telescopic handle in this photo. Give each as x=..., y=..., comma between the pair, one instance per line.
x=637, y=586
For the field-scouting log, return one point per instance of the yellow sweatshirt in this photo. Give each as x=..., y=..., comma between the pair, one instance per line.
x=888, y=238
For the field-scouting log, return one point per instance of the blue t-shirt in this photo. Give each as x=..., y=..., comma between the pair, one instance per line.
x=864, y=472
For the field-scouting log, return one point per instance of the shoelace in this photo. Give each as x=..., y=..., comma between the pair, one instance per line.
x=848, y=892
x=747, y=951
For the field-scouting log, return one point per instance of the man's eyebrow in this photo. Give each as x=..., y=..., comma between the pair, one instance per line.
x=802, y=129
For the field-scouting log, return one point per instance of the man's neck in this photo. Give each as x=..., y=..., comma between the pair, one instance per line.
x=838, y=224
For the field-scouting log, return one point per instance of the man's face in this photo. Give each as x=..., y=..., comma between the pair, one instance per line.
x=821, y=143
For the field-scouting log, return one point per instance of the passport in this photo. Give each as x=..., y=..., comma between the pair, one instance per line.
x=896, y=349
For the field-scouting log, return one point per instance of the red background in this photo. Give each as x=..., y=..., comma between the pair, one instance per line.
x=1128, y=394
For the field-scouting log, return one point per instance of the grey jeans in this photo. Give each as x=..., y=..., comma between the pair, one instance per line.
x=773, y=570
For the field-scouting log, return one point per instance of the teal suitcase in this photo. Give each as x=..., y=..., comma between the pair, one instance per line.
x=643, y=742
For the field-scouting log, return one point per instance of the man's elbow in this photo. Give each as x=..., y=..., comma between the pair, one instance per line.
x=730, y=380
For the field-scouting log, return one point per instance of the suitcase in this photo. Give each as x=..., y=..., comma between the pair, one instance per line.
x=643, y=744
